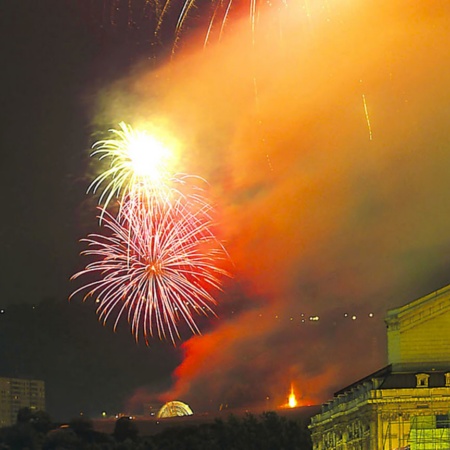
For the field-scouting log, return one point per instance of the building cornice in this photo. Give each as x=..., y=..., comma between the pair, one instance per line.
x=420, y=310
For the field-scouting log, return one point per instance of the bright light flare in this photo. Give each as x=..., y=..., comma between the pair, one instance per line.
x=138, y=163
x=149, y=157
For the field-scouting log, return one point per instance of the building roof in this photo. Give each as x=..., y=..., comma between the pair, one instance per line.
x=380, y=373
x=387, y=379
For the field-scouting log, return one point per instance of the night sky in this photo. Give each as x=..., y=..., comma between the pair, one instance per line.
x=324, y=137
x=54, y=60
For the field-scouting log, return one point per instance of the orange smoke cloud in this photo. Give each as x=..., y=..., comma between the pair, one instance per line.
x=331, y=183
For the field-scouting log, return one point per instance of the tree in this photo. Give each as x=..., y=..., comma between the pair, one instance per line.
x=84, y=429
x=24, y=415
x=21, y=436
x=62, y=438
x=39, y=420
x=124, y=429
x=266, y=432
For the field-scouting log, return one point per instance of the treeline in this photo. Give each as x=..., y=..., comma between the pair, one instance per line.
x=269, y=431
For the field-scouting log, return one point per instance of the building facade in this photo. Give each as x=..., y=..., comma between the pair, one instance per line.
x=406, y=404
x=18, y=393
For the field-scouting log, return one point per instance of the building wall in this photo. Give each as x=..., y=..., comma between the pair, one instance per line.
x=430, y=432
x=425, y=343
x=407, y=404
x=418, y=333
x=401, y=412
x=385, y=420
x=17, y=393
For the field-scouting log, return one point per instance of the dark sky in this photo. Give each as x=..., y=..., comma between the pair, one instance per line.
x=53, y=60
x=46, y=55
x=331, y=180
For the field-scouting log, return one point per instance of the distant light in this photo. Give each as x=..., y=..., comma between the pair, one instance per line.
x=291, y=318
x=345, y=315
x=353, y=317
x=370, y=314
x=103, y=413
x=314, y=318
x=2, y=311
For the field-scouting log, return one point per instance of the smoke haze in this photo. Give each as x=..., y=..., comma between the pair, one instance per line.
x=325, y=143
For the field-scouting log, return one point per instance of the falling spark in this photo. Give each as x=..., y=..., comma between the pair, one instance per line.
x=152, y=15
x=366, y=112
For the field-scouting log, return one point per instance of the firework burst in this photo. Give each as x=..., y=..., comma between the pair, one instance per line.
x=139, y=167
x=157, y=262
x=137, y=163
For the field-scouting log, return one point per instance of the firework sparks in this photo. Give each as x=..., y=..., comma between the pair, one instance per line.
x=149, y=19
x=366, y=113
x=158, y=262
x=138, y=165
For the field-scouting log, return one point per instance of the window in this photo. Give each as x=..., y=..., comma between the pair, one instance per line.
x=442, y=421
x=422, y=379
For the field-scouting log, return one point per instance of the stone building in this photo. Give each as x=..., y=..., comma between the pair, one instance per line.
x=17, y=393
x=406, y=404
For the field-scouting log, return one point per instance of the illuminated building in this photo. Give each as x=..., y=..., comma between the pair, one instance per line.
x=18, y=393
x=174, y=409
x=405, y=405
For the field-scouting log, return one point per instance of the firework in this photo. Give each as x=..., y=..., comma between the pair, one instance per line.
x=218, y=11
x=138, y=166
x=152, y=20
x=157, y=262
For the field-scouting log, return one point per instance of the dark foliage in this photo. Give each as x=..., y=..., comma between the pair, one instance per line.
x=21, y=436
x=125, y=429
x=266, y=432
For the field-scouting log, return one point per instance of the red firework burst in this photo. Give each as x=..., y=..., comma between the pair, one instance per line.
x=158, y=262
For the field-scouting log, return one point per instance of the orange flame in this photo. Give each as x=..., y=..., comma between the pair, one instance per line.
x=292, y=401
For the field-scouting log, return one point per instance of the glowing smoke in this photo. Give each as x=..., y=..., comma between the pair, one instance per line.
x=332, y=181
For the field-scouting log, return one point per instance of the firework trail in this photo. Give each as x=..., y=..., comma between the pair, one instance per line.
x=152, y=20
x=157, y=261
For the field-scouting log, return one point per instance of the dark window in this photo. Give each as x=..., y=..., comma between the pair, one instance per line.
x=442, y=421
